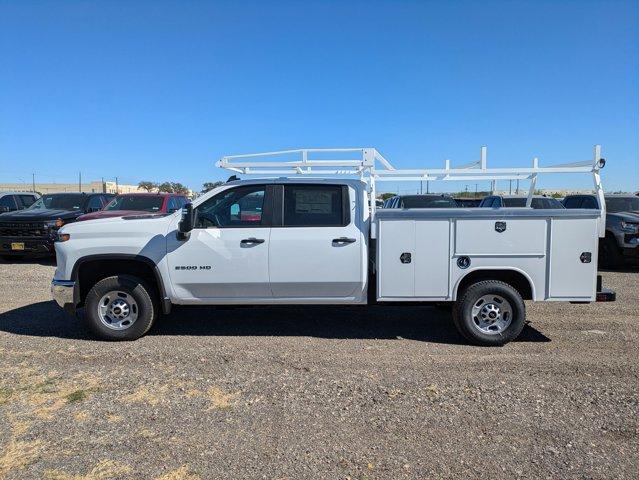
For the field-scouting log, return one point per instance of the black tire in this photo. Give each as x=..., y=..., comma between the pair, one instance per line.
x=468, y=325
x=610, y=255
x=145, y=307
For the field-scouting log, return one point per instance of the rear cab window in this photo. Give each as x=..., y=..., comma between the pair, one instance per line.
x=316, y=206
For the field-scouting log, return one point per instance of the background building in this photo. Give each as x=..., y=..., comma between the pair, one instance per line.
x=92, y=187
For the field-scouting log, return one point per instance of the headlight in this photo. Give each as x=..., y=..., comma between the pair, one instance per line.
x=630, y=227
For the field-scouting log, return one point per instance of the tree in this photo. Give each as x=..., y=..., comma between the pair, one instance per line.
x=148, y=186
x=208, y=186
x=387, y=195
x=179, y=188
x=165, y=187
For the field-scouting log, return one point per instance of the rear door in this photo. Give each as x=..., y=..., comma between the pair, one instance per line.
x=316, y=249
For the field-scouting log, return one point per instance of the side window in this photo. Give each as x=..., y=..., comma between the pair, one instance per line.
x=172, y=205
x=236, y=207
x=590, y=202
x=26, y=200
x=8, y=202
x=315, y=205
x=95, y=203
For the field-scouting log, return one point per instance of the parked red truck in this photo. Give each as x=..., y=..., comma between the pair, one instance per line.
x=139, y=204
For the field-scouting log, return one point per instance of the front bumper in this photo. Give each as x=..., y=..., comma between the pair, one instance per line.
x=64, y=294
x=32, y=246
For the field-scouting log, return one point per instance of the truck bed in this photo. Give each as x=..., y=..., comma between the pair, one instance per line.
x=424, y=254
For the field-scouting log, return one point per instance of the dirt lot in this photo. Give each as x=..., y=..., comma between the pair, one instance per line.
x=301, y=392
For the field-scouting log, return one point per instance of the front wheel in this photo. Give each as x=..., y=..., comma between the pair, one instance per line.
x=120, y=308
x=490, y=313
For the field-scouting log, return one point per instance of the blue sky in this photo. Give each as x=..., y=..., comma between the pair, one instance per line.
x=159, y=90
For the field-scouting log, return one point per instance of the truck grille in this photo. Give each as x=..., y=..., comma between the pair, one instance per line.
x=23, y=229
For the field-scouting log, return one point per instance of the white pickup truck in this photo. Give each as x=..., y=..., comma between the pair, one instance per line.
x=321, y=241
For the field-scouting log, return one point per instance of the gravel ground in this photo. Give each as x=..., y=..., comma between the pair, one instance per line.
x=317, y=392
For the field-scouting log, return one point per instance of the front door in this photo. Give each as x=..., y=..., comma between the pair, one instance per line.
x=226, y=254
x=316, y=246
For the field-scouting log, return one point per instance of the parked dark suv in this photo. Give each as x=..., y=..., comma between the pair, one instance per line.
x=622, y=226
x=32, y=231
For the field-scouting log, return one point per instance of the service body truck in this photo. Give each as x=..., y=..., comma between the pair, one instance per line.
x=307, y=240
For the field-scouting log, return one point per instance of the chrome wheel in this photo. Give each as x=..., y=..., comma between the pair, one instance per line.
x=117, y=310
x=492, y=314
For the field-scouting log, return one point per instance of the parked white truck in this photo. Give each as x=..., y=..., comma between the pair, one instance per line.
x=307, y=240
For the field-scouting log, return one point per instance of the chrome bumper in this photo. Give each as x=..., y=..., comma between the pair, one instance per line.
x=63, y=292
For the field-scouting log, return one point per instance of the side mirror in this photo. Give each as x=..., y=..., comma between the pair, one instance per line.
x=186, y=224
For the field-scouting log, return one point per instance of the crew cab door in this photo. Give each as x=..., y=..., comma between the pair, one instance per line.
x=226, y=255
x=316, y=247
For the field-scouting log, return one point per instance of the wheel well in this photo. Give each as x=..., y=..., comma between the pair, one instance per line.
x=92, y=271
x=512, y=277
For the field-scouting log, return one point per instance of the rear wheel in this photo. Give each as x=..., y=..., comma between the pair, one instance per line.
x=120, y=308
x=490, y=313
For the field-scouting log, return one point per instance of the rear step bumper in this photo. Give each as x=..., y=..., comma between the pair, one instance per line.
x=604, y=294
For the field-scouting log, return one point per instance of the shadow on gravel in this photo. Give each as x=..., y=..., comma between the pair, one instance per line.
x=420, y=323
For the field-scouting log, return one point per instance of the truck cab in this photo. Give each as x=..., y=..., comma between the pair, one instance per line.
x=267, y=242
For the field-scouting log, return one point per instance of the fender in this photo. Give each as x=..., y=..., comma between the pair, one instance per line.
x=165, y=301
x=512, y=269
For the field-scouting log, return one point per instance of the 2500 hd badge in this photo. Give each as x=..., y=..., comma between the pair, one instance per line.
x=193, y=267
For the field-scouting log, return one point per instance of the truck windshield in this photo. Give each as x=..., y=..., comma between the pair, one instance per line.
x=622, y=204
x=140, y=203
x=422, y=201
x=63, y=201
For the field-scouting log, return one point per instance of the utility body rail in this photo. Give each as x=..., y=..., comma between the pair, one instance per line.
x=371, y=167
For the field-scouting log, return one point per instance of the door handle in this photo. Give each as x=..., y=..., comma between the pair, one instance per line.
x=251, y=241
x=343, y=240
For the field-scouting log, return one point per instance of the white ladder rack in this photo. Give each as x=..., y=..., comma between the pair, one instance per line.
x=370, y=166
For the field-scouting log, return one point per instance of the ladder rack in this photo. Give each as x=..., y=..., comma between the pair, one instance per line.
x=370, y=166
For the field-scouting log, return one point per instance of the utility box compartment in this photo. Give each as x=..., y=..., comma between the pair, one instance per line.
x=424, y=254
x=413, y=259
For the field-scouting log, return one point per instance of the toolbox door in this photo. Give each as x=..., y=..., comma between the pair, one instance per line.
x=396, y=251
